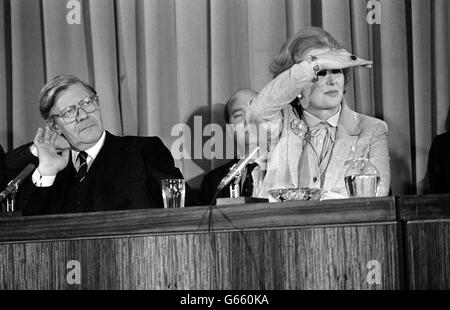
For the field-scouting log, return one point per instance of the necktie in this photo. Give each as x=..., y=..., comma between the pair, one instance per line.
x=247, y=188
x=82, y=169
x=322, y=140
x=322, y=146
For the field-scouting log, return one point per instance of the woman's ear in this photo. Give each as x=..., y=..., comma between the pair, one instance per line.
x=306, y=93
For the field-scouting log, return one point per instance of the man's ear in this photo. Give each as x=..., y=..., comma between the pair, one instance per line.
x=54, y=128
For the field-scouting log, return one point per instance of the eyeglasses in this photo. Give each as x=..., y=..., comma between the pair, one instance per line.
x=69, y=114
x=323, y=73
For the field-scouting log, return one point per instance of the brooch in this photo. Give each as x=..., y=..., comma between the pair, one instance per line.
x=299, y=127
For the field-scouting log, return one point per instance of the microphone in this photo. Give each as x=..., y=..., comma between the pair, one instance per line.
x=236, y=169
x=14, y=184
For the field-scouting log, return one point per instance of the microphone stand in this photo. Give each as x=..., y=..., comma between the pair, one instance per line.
x=235, y=194
x=235, y=189
x=11, y=202
x=11, y=190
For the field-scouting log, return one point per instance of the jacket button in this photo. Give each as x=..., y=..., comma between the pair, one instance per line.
x=315, y=179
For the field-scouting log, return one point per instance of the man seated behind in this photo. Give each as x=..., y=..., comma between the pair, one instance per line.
x=236, y=113
x=97, y=171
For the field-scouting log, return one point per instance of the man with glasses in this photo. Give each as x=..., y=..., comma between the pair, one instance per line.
x=83, y=168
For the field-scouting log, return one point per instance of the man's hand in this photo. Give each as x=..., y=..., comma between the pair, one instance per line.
x=61, y=144
x=47, y=145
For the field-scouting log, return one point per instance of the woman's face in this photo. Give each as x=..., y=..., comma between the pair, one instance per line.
x=328, y=91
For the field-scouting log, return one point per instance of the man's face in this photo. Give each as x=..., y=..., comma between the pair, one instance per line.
x=239, y=109
x=246, y=134
x=87, y=128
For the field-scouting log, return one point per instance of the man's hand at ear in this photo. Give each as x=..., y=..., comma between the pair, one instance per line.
x=53, y=153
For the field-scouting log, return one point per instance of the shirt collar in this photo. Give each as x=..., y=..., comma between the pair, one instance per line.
x=312, y=120
x=93, y=150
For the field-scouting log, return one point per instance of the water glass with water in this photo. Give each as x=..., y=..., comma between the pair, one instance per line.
x=173, y=192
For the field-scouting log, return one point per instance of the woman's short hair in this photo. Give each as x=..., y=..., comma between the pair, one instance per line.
x=293, y=49
x=53, y=88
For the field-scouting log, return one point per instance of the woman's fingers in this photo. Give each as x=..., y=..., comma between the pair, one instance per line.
x=339, y=59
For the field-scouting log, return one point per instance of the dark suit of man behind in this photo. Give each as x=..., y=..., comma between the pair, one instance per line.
x=212, y=180
x=235, y=113
x=126, y=174
x=88, y=169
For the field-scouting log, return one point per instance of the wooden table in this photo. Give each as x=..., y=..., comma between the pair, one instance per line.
x=335, y=244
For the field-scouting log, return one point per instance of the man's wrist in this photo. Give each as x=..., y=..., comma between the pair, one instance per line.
x=46, y=171
x=40, y=180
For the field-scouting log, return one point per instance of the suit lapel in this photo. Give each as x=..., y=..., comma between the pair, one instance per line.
x=293, y=151
x=110, y=158
x=284, y=158
x=63, y=182
x=339, y=156
x=346, y=136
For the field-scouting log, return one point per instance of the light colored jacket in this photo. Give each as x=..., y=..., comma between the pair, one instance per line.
x=354, y=129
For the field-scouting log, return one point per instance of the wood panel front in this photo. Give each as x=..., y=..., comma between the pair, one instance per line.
x=429, y=254
x=266, y=246
x=298, y=258
x=427, y=234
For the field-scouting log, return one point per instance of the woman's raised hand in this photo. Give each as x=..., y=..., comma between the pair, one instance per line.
x=338, y=59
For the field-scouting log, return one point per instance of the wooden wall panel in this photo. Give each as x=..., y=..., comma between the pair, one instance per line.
x=429, y=254
x=295, y=258
x=427, y=237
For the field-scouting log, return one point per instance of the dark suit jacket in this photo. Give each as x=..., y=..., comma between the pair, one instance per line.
x=211, y=181
x=439, y=164
x=126, y=174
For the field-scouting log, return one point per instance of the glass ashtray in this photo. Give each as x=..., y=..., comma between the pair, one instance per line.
x=290, y=194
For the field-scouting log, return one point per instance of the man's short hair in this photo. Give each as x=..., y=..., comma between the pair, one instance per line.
x=233, y=98
x=53, y=88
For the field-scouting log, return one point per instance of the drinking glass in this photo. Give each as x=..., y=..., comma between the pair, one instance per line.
x=173, y=192
x=362, y=177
